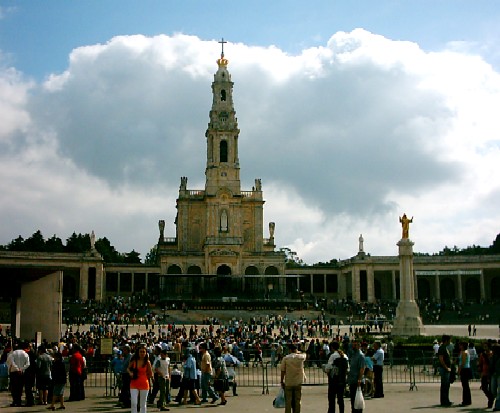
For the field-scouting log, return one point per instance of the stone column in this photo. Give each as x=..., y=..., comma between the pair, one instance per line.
x=481, y=285
x=438, y=287
x=84, y=282
x=370, y=281
x=311, y=282
x=99, y=282
x=16, y=328
x=132, y=276
x=394, y=293
x=459, y=284
x=46, y=315
x=408, y=321
x=118, y=276
x=342, y=286
x=356, y=293
x=146, y=282
x=324, y=285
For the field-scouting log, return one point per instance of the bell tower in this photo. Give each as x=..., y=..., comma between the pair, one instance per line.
x=223, y=167
x=219, y=230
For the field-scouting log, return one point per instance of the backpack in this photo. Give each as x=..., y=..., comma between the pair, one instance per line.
x=339, y=370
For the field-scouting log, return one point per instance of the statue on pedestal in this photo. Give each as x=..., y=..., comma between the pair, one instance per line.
x=161, y=227
x=272, y=225
x=405, y=223
x=361, y=241
x=92, y=241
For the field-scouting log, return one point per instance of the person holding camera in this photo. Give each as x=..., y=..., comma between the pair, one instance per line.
x=141, y=373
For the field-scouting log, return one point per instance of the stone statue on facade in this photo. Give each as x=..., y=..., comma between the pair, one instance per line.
x=361, y=241
x=258, y=185
x=184, y=182
x=405, y=223
x=272, y=226
x=223, y=221
x=92, y=241
x=161, y=226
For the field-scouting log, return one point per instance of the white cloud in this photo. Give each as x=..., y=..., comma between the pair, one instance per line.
x=346, y=137
x=13, y=97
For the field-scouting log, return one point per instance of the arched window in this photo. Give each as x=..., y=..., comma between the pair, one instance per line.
x=194, y=269
x=473, y=290
x=495, y=288
x=223, y=95
x=174, y=269
x=423, y=288
x=251, y=270
x=271, y=270
x=447, y=289
x=223, y=270
x=223, y=151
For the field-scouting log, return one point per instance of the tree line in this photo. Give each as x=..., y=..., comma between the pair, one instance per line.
x=81, y=243
x=76, y=243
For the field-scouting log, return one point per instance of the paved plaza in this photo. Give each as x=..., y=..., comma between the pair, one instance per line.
x=398, y=398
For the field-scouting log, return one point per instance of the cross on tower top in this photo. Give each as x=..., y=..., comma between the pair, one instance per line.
x=222, y=42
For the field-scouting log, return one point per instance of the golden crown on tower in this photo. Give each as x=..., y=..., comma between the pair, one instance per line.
x=222, y=61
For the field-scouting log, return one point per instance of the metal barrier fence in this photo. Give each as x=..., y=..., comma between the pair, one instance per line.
x=412, y=371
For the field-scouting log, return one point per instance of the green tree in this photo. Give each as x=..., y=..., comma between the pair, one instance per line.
x=108, y=252
x=78, y=243
x=152, y=256
x=132, y=257
x=16, y=244
x=54, y=244
x=291, y=258
x=495, y=247
x=35, y=243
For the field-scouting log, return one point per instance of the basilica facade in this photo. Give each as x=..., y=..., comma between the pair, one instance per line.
x=219, y=243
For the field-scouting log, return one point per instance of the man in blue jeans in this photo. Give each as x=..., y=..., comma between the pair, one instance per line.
x=206, y=375
x=445, y=370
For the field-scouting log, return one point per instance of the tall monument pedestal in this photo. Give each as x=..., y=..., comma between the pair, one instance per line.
x=408, y=321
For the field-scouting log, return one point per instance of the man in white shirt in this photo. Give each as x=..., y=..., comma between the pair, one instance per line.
x=435, y=357
x=162, y=369
x=378, y=369
x=17, y=362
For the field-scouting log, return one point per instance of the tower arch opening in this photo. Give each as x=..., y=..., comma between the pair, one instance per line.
x=223, y=151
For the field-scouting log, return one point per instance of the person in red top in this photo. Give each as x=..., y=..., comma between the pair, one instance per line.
x=76, y=366
x=141, y=373
x=483, y=368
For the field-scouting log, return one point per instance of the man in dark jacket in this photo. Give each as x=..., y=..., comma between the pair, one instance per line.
x=336, y=368
x=357, y=370
x=124, y=396
x=445, y=370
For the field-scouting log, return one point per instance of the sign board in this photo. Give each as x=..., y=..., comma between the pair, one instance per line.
x=38, y=339
x=106, y=346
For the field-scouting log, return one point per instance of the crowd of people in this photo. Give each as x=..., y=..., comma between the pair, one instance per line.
x=169, y=363
x=456, y=361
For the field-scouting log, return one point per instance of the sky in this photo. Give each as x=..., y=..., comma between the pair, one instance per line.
x=351, y=113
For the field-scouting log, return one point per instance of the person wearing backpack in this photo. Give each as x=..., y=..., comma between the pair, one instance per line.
x=336, y=368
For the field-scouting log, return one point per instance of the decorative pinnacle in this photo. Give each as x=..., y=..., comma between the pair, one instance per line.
x=222, y=61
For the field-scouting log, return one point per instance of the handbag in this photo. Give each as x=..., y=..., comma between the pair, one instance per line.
x=359, y=401
x=279, y=401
